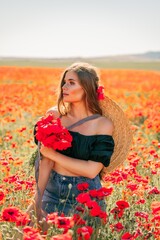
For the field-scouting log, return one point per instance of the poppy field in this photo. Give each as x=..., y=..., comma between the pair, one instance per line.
x=132, y=192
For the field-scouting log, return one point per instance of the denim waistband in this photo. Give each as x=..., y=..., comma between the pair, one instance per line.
x=71, y=179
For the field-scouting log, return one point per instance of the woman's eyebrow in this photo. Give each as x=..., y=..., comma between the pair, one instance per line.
x=71, y=79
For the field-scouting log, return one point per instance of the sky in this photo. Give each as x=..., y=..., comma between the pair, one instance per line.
x=78, y=28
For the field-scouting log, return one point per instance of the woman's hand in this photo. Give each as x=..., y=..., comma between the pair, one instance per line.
x=48, y=152
x=41, y=219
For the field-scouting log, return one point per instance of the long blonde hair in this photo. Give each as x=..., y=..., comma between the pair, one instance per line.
x=89, y=80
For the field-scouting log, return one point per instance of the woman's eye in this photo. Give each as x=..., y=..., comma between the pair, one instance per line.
x=72, y=83
x=68, y=83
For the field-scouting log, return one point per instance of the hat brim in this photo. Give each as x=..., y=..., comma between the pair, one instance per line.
x=122, y=133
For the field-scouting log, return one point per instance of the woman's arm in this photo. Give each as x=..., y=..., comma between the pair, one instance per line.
x=45, y=168
x=83, y=168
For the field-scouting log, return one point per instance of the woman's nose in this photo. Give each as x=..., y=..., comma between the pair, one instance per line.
x=64, y=86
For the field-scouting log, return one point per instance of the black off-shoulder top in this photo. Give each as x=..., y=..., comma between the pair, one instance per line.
x=98, y=148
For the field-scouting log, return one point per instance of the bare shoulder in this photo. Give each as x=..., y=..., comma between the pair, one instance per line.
x=105, y=126
x=54, y=111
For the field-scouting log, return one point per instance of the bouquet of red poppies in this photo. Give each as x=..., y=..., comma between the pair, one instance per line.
x=52, y=134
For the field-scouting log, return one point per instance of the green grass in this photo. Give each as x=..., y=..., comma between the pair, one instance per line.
x=98, y=62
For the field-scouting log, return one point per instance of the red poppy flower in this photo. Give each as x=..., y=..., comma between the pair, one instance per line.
x=95, y=212
x=22, y=129
x=80, y=209
x=118, y=213
x=138, y=233
x=30, y=233
x=52, y=217
x=14, y=145
x=103, y=192
x=65, y=223
x=132, y=186
x=84, y=233
x=60, y=221
x=103, y=215
x=14, y=214
x=100, y=193
x=22, y=219
x=155, y=206
x=82, y=186
x=78, y=220
x=10, y=214
x=93, y=193
x=122, y=204
x=141, y=201
x=83, y=198
x=156, y=218
x=4, y=163
x=1, y=195
x=142, y=215
x=66, y=236
x=154, y=190
x=127, y=236
x=92, y=204
x=118, y=226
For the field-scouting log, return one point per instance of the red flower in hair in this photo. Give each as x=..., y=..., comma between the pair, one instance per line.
x=100, y=93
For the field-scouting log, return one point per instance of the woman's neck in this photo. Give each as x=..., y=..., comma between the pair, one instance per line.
x=79, y=111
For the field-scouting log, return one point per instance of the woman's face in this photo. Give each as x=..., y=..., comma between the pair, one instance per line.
x=72, y=90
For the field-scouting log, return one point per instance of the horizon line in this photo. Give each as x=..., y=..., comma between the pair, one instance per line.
x=73, y=57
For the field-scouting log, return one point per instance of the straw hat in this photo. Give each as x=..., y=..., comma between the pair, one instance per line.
x=122, y=134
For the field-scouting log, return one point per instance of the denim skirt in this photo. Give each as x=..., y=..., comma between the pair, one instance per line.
x=61, y=192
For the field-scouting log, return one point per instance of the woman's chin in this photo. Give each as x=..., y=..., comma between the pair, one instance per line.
x=66, y=100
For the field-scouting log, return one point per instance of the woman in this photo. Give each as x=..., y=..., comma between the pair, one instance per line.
x=92, y=147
